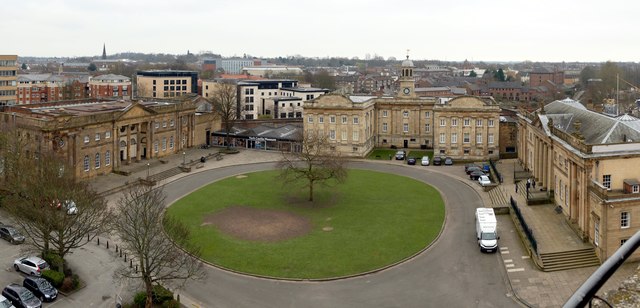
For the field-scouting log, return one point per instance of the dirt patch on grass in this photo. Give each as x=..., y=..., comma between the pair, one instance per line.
x=251, y=224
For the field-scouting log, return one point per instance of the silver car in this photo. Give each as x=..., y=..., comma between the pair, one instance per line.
x=30, y=265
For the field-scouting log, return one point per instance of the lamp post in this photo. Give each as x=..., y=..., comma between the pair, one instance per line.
x=148, y=166
x=184, y=163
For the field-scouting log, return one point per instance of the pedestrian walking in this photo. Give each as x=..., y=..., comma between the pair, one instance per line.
x=533, y=183
x=516, y=188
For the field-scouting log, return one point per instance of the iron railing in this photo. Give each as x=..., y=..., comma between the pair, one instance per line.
x=527, y=231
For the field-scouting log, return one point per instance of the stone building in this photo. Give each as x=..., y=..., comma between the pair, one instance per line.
x=588, y=163
x=466, y=126
x=97, y=136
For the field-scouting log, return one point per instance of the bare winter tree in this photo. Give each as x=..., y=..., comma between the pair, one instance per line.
x=144, y=232
x=36, y=195
x=316, y=163
x=225, y=104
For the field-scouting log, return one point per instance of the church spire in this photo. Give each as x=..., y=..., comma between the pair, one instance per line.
x=104, y=51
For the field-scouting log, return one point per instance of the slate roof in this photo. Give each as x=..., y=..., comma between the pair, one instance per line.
x=596, y=128
x=286, y=132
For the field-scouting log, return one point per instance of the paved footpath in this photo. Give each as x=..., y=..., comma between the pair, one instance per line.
x=531, y=286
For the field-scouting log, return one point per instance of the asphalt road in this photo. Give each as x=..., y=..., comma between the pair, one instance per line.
x=451, y=273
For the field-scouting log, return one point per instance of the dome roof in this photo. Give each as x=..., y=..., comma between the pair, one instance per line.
x=407, y=63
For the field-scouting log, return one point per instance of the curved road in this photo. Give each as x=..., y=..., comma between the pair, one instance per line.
x=451, y=273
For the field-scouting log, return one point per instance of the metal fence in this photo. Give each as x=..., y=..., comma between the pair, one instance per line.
x=495, y=170
x=527, y=231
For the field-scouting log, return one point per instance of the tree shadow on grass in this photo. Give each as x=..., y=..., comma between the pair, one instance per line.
x=321, y=199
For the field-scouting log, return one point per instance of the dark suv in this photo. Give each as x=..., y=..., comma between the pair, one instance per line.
x=41, y=288
x=12, y=235
x=19, y=296
x=437, y=161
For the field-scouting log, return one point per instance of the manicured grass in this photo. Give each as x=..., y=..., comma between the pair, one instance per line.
x=418, y=154
x=382, y=154
x=377, y=219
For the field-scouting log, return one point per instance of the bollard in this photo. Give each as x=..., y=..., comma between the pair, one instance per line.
x=130, y=263
x=98, y=241
x=121, y=254
x=136, y=268
x=107, y=244
x=116, y=248
x=178, y=298
x=88, y=239
x=125, y=257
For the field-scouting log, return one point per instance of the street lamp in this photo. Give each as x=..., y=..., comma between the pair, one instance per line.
x=184, y=158
x=148, y=166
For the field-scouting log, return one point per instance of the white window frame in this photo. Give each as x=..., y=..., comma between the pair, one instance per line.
x=625, y=219
x=97, y=136
x=86, y=139
x=97, y=161
x=343, y=134
x=320, y=119
x=171, y=143
x=635, y=189
x=454, y=122
x=467, y=122
x=454, y=138
x=478, y=138
x=466, y=138
x=478, y=122
x=443, y=122
x=596, y=233
x=405, y=113
x=384, y=127
x=107, y=158
x=310, y=119
x=405, y=127
x=356, y=120
x=332, y=119
x=164, y=144
x=332, y=134
x=356, y=135
x=385, y=113
x=172, y=123
x=344, y=119
x=606, y=181
x=155, y=146
x=86, y=163
x=107, y=135
x=427, y=127
x=490, y=138
x=427, y=114
x=443, y=138
x=491, y=125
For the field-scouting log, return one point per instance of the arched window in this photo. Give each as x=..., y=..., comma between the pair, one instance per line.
x=171, y=142
x=97, y=162
x=107, y=158
x=86, y=163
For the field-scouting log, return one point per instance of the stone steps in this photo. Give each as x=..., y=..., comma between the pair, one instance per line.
x=564, y=260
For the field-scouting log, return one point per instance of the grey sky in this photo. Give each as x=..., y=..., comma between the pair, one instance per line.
x=490, y=30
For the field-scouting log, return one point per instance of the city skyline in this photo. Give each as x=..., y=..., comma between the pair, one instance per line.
x=495, y=30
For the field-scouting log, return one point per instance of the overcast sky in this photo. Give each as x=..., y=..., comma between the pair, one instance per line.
x=490, y=30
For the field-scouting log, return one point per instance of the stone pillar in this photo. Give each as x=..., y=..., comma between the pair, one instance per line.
x=149, y=140
x=126, y=152
x=138, y=134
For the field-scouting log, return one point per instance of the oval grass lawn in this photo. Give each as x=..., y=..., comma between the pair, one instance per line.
x=370, y=221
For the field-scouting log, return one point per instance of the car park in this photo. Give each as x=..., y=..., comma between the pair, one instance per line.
x=41, y=288
x=437, y=161
x=425, y=161
x=12, y=235
x=20, y=296
x=467, y=166
x=448, y=161
x=411, y=160
x=476, y=174
x=400, y=155
x=484, y=180
x=5, y=303
x=30, y=265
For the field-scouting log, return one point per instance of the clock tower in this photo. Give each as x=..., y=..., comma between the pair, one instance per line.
x=407, y=82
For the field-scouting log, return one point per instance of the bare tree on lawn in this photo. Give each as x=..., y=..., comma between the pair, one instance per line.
x=144, y=232
x=316, y=163
x=225, y=104
x=37, y=194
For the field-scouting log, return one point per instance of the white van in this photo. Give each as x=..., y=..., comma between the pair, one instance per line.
x=487, y=229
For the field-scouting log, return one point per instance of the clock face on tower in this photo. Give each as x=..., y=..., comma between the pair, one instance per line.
x=406, y=91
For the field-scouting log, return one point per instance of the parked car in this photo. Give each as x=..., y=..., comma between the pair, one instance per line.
x=448, y=161
x=437, y=161
x=12, y=235
x=473, y=168
x=400, y=155
x=484, y=180
x=467, y=166
x=30, y=265
x=20, y=296
x=41, y=288
x=411, y=160
x=476, y=174
x=68, y=205
x=5, y=303
x=425, y=161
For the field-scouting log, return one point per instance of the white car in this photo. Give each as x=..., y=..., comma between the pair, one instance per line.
x=5, y=303
x=30, y=265
x=70, y=207
x=425, y=161
x=484, y=180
